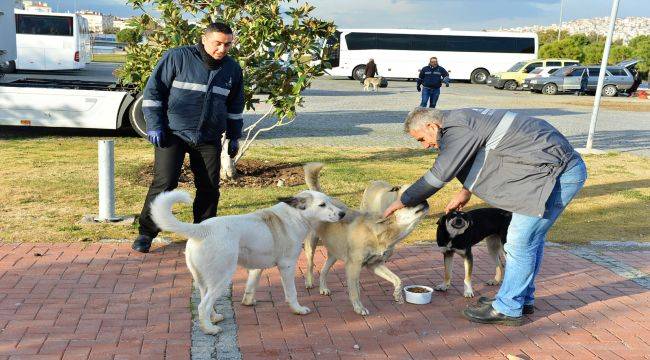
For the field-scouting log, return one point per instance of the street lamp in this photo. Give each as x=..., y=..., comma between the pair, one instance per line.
x=559, y=28
x=601, y=79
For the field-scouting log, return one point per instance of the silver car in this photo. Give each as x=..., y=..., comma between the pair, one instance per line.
x=619, y=78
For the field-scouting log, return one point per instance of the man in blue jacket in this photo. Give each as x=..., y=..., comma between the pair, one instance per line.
x=431, y=77
x=194, y=94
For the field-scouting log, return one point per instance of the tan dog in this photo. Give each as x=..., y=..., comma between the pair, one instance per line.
x=374, y=81
x=360, y=239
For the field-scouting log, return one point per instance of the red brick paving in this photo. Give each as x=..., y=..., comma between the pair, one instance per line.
x=583, y=311
x=95, y=301
x=107, y=302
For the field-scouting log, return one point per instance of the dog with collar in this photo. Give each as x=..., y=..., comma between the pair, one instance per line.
x=458, y=231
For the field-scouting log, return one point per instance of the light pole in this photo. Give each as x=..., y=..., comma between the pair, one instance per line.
x=559, y=28
x=601, y=77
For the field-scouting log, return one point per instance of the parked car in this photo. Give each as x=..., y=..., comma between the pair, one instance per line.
x=514, y=77
x=619, y=78
x=539, y=72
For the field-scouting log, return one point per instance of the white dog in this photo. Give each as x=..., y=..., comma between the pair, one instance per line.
x=260, y=240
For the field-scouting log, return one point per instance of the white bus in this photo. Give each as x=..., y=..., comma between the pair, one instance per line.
x=52, y=41
x=8, y=39
x=401, y=53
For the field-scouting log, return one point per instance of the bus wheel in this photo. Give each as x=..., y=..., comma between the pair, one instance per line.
x=8, y=67
x=136, y=117
x=359, y=72
x=479, y=76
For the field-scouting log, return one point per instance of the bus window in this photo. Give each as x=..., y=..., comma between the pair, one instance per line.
x=44, y=25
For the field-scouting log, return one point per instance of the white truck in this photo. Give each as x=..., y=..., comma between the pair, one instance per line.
x=63, y=103
x=7, y=43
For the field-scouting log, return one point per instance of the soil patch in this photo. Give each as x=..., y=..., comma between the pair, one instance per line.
x=252, y=174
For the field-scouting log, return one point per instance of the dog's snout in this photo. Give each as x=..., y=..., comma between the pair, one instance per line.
x=341, y=214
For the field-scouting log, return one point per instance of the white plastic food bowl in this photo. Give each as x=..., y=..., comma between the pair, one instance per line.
x=418, y=298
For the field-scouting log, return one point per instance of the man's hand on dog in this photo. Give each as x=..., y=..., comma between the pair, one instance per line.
x=393, y=207
x=459, y=201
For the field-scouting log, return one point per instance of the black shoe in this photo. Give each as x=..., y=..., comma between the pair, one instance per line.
x=527, y=310
x=485, y=314
x=142, y=243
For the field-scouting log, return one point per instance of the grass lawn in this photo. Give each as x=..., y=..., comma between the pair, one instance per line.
x=116, y=58
x=48, y=182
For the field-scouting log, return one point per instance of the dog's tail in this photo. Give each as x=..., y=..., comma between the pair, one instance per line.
x=312, y=171
x=161, y=212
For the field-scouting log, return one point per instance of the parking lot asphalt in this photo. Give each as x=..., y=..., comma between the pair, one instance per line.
x=337, y=112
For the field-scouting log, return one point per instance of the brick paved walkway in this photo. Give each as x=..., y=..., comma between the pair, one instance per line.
x=93, y=301
x=106, y=302
x=583, y=311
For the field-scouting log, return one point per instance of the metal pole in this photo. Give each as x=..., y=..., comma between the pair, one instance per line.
x=106, y=181
x=601, y=76
x=559, y=28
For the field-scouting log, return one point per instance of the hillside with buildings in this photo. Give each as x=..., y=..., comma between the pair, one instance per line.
x=626, y=28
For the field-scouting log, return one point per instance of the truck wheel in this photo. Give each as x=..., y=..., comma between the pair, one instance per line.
x=479, y=76
x=136, y=117
x=549, y=89
x=510, y=85
x=359, y=72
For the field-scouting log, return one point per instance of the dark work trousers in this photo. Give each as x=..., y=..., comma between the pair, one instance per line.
x=205, y=163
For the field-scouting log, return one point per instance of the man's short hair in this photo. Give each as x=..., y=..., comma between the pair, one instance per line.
x=433, y=57
x=420, y=116
x=218, y=27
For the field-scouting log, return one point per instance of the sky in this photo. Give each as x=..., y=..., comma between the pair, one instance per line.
x=425, y=14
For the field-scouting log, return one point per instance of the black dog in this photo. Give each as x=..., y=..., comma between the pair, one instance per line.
x=458, y=231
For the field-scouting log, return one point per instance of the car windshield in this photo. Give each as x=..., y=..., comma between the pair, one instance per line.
x=537, y=70
x=517, y=66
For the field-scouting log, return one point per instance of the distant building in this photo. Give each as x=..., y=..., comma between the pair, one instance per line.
x=37, y=6
x=120, y=23
x=97, y=22
x=18, y=4
x=626, y=28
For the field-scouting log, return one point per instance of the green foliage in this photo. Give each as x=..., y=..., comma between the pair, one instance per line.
x=128, y=35
x=640, y=46
x=260, y=25
x=549, y=36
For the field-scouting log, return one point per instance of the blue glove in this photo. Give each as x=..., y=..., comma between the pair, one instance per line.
x=233, y=147
x=419, y=88
x=156, y=137
x=446, y=84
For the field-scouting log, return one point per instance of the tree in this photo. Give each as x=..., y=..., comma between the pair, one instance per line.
x=570, y=47
x=111, y=30
x=640, y=47
x=260, y=25
x=128, y=35
x=550, y=35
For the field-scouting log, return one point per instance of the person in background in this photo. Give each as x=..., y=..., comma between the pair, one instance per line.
x=431, y=78
x=371, y=70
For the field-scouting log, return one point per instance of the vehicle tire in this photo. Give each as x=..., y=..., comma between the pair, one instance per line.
x=359, y=72
x=479, y=76
x=549, y=89
x=610, y=90
x=9, y=67
x=136, y=117
x=510, y=85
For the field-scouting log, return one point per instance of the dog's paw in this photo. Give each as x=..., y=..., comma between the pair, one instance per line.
x=399, y=297
x=325, y=291
x=215, y=318
x=468, y=293
x=300, y=310
x=248, y=301
x=492, y=282
x=360, y=309
x=441, y=287
x=211, y=330
x=309, y=284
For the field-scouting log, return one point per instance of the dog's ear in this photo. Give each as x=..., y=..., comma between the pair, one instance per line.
x=441, y=220
x=394, y=189
x=383, y=220
x=298, y=202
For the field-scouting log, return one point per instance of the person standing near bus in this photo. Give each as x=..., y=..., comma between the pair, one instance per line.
x=371, y=70
x=194, y=94
x=431, y=77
